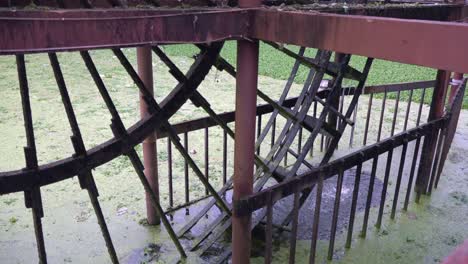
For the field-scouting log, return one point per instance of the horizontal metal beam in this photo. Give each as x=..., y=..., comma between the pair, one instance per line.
x=398, y=87
x=440, y=45
x=432, y=44
x=435, y=12
x=394, y=87
x=59, y=30
x=105, y=3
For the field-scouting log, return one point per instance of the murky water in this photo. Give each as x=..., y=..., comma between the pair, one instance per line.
x=424, y=234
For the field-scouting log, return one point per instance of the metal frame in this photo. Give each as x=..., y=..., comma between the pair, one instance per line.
x=397, y=39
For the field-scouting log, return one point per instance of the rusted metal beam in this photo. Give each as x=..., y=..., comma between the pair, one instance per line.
x=438, y=12
x=399, y=40
x=108, y=3
x=23, y=32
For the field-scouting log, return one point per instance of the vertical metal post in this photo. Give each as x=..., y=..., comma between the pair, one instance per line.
x=150, y=161
x=452, y=123
x=430, y=141
x=244, y=143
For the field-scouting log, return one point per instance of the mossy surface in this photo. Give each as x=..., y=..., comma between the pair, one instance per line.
x=426, y=233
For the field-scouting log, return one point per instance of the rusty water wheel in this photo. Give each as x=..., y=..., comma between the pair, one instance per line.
x=34, y=176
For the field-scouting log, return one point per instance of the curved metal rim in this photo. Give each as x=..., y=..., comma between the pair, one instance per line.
x=20, y=180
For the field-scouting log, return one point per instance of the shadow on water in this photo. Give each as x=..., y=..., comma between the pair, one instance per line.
x=154, y=252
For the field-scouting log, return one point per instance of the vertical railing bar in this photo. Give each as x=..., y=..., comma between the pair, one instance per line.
x=351, y=133
x=412, y=171
x=293, y=235
x=336, y=210
x=398, y=183
x=224, y=157
x=421, y=103
x=259, y=132
x=370, y=191
x=322, y=140
x=269, y=231
x=315, y=116
x=384, y=187
x=299, y=141
x=322, y=137
x=315, y=109
x=207, y=160
x=341, y=107
x=395, y=113
x=273, y=133
x=186, y=174
x=382, y=113
x=408, y=108
x=440, y=164
x=169, y=173
x=351, y=137
x=436, y=159
x=315, y=225
x=357, y=181
x=342, y=101
x=369, y=110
